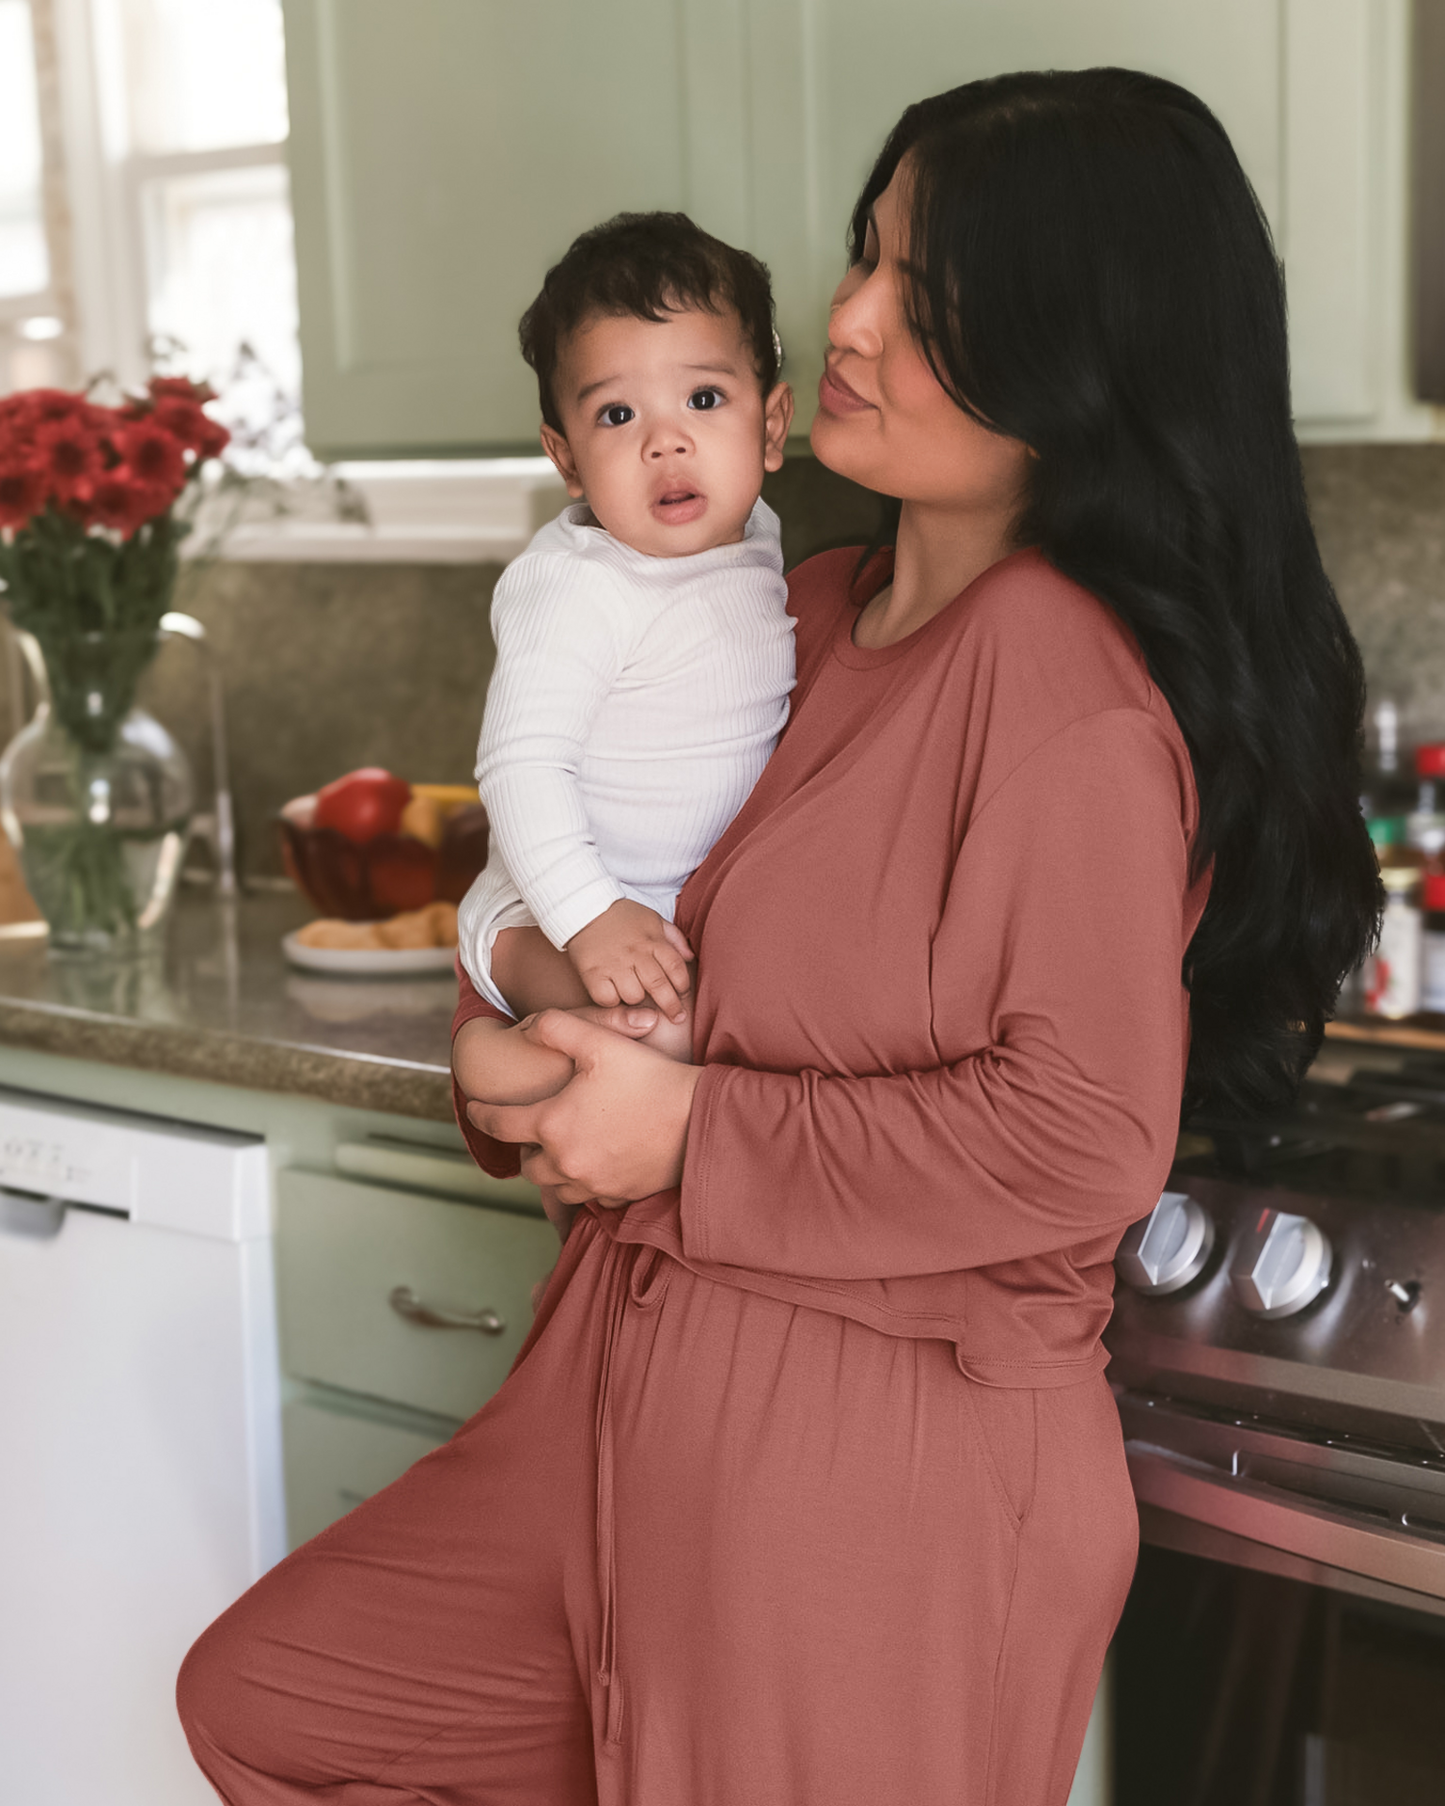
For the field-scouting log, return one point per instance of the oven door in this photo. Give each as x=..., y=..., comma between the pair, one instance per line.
x=1284, y=1642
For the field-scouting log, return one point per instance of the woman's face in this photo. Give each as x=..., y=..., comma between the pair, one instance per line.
x=884, y=419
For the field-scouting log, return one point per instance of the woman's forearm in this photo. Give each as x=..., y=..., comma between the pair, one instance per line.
x=1063, y=1126
x=967, y=1166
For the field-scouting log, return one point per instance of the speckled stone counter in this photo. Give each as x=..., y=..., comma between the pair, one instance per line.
x=219, y=1002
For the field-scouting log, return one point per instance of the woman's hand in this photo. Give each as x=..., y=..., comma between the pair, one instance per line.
x=616, y=1132
x=501, y=1063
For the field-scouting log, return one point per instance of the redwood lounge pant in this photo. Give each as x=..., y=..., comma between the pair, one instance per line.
x=702, y=1549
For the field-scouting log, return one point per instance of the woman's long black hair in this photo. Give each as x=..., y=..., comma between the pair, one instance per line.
x=1092, y=275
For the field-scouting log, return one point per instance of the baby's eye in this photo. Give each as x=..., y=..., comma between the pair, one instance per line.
x=618, y=414
x=704, y=399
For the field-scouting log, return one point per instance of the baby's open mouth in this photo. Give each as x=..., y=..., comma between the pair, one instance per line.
x=679, y=505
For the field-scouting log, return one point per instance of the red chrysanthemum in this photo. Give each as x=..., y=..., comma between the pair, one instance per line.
x=117, y=499
x=154, y=458
x=179, y=388
x=22, y=494
x=216, y=439
x=43, y=407
x=191, y=425
x=68, y=450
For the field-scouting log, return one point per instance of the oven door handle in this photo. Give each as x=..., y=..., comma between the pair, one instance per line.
x=1312, y=1528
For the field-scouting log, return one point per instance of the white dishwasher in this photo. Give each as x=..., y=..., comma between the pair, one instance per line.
x=140, y=1448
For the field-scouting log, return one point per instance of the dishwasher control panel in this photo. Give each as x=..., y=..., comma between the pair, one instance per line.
x=172, y=1175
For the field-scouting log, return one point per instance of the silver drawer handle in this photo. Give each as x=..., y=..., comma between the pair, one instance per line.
x=406, y=1304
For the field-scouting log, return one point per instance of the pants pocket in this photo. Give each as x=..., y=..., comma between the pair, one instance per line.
x=1005, y=1426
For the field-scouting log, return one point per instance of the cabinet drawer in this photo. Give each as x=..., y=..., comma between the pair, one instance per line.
x=343, y=1248
x=335, y=1460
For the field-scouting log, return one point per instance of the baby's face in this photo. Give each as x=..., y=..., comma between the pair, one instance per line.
x=667, y=433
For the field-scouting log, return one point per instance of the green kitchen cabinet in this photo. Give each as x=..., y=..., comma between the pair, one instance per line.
x=444, y=152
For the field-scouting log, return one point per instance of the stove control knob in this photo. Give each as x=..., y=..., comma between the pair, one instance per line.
x=1169, y=1248
x=1282, y=1264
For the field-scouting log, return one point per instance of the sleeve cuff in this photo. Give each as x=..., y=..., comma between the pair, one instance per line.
x=499, y=1158
x=559, y=924
x=693, y=1216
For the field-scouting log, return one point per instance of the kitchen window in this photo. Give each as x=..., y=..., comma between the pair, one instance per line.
x=196, y=116
x=145, y=214
x=160, y=129
x=28, y=301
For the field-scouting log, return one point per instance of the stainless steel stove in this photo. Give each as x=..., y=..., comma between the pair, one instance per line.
x=1279, y=1362
x=1279, y=1336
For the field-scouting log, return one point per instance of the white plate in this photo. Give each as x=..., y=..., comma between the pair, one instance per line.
x=368, y=962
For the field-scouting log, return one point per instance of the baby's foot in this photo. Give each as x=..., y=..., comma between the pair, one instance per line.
x=501, y=1063
x=671, y=1038
x=495, y=1060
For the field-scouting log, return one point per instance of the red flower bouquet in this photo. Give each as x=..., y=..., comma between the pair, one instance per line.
x=91, y=521
x=70, y=467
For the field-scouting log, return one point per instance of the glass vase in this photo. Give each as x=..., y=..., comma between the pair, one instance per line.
x=97, y=798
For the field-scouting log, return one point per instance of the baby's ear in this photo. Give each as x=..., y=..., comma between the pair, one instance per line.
x=560, y=452
x=777, y=418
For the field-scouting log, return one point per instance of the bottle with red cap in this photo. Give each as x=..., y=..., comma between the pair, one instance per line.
x=1432, y=946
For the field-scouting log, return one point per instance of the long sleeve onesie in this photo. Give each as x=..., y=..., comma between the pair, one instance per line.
x=940, y=1005
x=634, y=702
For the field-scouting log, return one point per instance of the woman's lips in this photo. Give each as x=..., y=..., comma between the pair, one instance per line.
x=835, y=397
x=677, y=507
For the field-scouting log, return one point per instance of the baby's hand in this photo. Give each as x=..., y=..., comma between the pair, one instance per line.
x=628, y=954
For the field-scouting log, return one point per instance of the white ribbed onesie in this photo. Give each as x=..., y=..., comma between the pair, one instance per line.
x=634, y=703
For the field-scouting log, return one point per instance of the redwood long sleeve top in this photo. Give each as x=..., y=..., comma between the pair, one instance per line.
x=940, y=1005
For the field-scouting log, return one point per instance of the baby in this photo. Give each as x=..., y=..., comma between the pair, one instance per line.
x=644, y=654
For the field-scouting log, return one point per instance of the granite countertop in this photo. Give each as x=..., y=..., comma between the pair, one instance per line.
x=220, y=1002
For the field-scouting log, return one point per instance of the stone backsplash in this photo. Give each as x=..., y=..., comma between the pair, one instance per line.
x=332, y=666
x=1379, y=514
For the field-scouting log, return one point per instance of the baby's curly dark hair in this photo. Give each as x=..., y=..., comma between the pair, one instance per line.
x=647, y=265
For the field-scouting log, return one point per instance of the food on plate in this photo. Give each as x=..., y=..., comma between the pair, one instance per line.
x=434, y=926
x=347, y=937
x=363, y=804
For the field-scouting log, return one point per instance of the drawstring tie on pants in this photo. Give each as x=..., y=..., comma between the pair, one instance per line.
x=632, y=1278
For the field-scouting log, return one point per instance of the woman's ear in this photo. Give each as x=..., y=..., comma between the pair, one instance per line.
x=560, y=452
x=777, y=418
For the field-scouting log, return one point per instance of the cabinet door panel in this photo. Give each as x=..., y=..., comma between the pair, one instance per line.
x=336, y=1459
x=444, y=153
x=862, y=64
x=1326, y=240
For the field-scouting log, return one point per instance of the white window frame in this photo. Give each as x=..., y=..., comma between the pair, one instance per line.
x=429, y=511
x=44, y=302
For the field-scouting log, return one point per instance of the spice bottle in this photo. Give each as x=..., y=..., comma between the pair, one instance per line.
x=1425, y=824
x=1393, y=975
x=1389, y=790
x=1432, y=964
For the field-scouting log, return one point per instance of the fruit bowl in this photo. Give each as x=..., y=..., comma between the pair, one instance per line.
x=364, y=880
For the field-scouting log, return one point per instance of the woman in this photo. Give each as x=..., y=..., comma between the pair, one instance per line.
x=807, y=1486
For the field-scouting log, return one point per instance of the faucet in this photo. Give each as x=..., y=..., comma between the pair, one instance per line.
x=218, y=829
